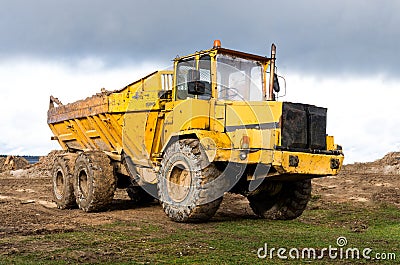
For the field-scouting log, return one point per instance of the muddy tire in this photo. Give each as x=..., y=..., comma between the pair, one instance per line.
x=281, y=201
x=184, y=183
x=62, y=179
x=94, y=181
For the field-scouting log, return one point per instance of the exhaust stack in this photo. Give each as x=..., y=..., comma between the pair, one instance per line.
x=272, y=72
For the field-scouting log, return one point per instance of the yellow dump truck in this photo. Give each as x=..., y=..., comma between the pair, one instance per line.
x=186, y=137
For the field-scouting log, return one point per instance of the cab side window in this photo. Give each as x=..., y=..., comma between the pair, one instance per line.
x=185, y=70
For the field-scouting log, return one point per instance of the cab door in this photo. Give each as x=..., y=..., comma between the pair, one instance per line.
x=191, y=108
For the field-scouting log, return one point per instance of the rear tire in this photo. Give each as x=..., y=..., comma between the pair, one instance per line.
x=62, y=178
x=281, y=200
x=184, y=183
x=94, y=182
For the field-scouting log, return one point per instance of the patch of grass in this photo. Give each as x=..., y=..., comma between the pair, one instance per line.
x=216, y=242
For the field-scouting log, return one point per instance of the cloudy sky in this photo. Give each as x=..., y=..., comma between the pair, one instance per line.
x=343, y=55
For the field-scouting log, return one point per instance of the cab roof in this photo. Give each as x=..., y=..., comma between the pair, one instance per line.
x=220, y=50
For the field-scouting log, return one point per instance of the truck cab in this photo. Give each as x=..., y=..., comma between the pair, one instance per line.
x=227, y=98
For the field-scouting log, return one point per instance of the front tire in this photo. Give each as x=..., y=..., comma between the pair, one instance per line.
x=95, y=182
x=281, y=200
x=184, y=183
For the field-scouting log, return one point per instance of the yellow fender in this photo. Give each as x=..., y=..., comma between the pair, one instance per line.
x=211, y=141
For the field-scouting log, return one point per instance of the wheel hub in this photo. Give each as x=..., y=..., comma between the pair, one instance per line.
x=179, y=181
x=59, y=188
x=83, y=183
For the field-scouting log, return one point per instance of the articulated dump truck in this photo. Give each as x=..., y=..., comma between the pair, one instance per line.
x=186, y=137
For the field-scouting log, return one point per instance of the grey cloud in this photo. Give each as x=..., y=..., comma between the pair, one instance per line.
x=330, y=37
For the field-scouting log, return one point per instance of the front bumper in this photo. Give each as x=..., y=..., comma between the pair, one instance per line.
x=287, y=162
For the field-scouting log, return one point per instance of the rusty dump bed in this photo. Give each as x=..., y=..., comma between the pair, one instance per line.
x=96, y=123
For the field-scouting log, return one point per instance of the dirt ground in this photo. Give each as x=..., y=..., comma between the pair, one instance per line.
x=26, y=206
x=373, y=182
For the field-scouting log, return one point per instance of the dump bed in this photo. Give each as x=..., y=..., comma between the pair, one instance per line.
x=97, y=122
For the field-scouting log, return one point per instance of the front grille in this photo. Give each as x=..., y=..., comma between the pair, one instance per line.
x=303, y=126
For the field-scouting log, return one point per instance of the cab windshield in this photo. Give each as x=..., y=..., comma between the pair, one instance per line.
x=239, y=79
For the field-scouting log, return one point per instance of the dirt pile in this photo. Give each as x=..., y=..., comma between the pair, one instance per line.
x=370, y=182
x=388, y=165
x=46, y=162
x=391, y=159
x=13, y=163
x=43, y=167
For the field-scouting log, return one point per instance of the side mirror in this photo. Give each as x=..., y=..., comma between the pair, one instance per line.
x=198, y=87
x=276, y=84
x=195, y=86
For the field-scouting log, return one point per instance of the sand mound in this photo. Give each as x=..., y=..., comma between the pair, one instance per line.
x=388, y=165
x=46, y=162
x=13, y=163
x=391, y=159
x=370, y=182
